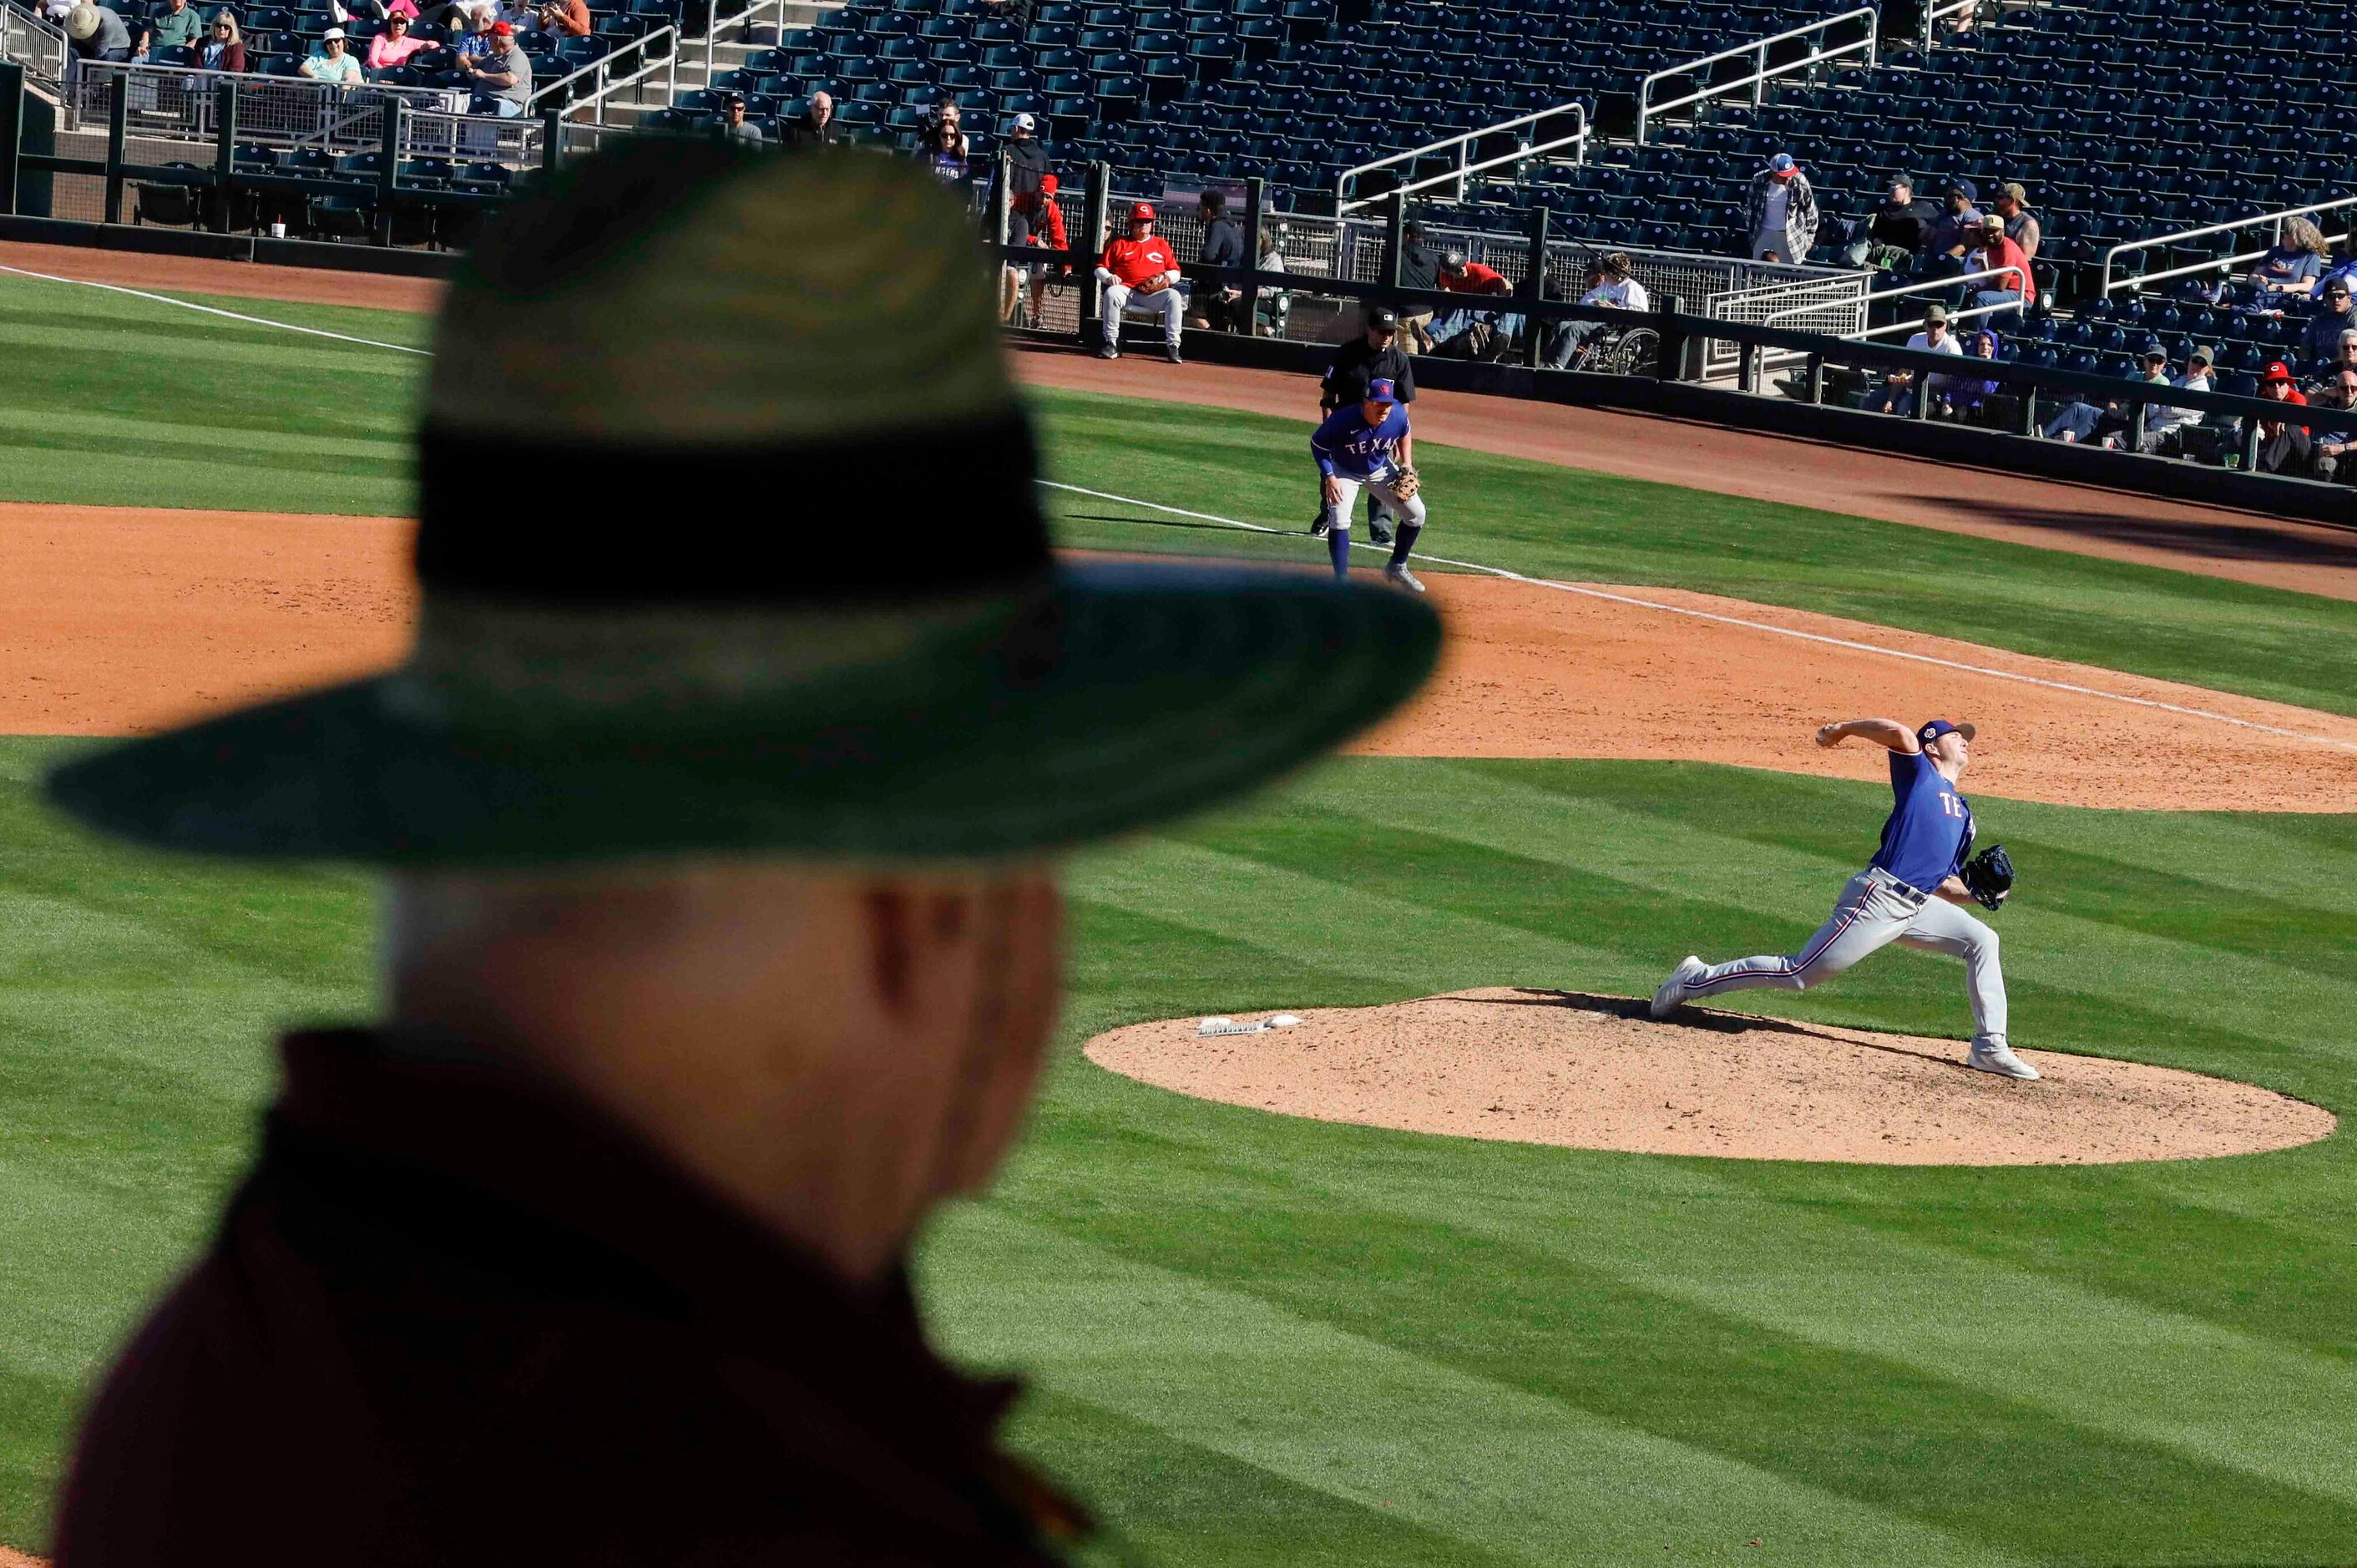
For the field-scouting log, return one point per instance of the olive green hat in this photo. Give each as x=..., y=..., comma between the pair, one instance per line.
x=730, y=543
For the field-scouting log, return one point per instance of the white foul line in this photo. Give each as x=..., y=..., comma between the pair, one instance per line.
x=211, y=310
x=1633, y=600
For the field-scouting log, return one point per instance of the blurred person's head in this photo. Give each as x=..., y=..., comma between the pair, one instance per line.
x=1383, y=326
x=822, y=108
x=2299, y=234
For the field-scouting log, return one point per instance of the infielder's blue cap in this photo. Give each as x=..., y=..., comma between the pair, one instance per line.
x=1382, y=390
x=1938, y=727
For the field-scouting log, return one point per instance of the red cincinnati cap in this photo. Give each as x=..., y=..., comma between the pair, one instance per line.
x=1143, y=209
x=2278, y=371
x=501, y=30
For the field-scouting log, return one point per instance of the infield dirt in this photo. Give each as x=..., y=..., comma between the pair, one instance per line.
x=117, y=621
x=1594, y=1072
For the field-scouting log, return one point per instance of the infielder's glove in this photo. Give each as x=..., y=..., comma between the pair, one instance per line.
x=1404, y=483
x=1988, y=876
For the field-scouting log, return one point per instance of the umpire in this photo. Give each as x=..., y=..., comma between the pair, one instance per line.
x=1374, y=356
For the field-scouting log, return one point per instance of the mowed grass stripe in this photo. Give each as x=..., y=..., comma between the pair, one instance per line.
x=1868, y=1428
x=1550, y=521
x=1290, y=1392
x=1175, y=1500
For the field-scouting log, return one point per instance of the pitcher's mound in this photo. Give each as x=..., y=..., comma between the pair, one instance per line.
x=1594, y=1072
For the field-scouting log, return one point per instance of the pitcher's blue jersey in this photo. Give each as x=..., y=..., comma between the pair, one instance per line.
x=1348, y=445
x=1930, y=829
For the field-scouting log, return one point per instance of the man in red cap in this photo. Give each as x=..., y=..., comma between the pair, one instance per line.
x=2284, y=447
x=1140, y=276
x=501, y=76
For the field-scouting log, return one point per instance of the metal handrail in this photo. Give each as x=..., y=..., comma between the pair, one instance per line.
x=1647, y=110
x=1933, y=13
x=604, y=64
x=2274, y=219
x=1930, y=285
x=48, y=42
x=1460, y=141
x=711, y=38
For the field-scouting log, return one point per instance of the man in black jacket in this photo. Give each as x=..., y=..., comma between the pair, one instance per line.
x=1419, y=268
x=1223, y=246
x=1896, y=229
x=1373, y=355
x=1025, y=172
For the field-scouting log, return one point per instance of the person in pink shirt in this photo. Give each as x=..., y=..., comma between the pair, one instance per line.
x=1997, y=251
x=394, y=44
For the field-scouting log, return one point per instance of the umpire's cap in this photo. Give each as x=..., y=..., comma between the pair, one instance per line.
x=1382, y=317
x=613, y=665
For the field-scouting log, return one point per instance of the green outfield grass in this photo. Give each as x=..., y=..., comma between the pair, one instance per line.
x=1260, y=1340
x=1263, y=1340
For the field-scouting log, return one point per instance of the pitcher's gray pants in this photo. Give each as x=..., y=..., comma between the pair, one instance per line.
x=1874, y=909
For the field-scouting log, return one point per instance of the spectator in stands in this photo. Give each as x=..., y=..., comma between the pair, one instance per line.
x=2319, y=343
x=1460, y=274
x=1896, y=231
x=2332, y=435
x=475, y=43
x=2166, y=426
x=224, y=45
x=1611, y=287
x=98, y=34
x=1223, y=246
x=943, y=145
x=815, y=127
x=2284, y=447
x=1374, y=356
x=501, y=78
x=564, y=19
x=2021, y=225
x=2292, y=267
x=393, y=46
x=177, y=27
x=2083, y=422
x=734, y=127
x=1999, y=254
x=1047, y=232
x=1022, y=164
x=333, y=62
x=2342, y=263
x=1973, y=398
x=1898, y=394
x=1419, y=269
x=522, y=15
x=1781, y=212
x=1140, y=276
x=1959, y=228
x=1273, y=305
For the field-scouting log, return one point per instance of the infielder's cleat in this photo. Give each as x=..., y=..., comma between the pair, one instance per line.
x=1998, y=1059
x=1318, y=526
x=1674, y=990
x=1401, y=576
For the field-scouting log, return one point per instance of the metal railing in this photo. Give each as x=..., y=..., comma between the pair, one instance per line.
x=1462, y=143
x=2274, y=221
x=711, y=40
x=608, y=83
x=1762, y=73
x=181, y=102
x=36, y=44
x=1931, y=285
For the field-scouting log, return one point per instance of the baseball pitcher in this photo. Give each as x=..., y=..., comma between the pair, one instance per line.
x=1369, y=444
x=1910, y=893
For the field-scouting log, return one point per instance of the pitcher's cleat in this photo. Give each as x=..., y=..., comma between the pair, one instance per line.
x=1401, y=576
x=1674, y=990
x=1997, y=1056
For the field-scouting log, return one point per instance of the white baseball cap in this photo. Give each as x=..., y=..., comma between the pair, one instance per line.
x=333, y=35
x=1025, y=123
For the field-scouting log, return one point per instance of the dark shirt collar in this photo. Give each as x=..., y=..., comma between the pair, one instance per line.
x=481, y=1158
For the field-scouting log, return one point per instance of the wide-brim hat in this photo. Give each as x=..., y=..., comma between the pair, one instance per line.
x=82, y=21
x=730, y=543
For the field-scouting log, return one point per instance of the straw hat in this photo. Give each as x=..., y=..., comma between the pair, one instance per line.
x=730, y=543
x=82, y=21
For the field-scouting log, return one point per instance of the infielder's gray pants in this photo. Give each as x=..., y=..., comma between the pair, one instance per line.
x=1410, y=512
x=1874, y=909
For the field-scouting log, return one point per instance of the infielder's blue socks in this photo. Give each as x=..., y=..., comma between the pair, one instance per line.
x=1337, y=545
x=1405, y=543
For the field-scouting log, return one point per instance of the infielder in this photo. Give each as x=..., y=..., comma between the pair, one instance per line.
x=1907, y=894
x=1368, y=444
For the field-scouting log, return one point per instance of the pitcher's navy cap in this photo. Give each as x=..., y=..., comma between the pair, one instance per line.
x=1380, y=390
x=1938, y=727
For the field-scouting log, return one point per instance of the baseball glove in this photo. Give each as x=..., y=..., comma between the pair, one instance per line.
x=1404, y=483
x=1988, y=877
